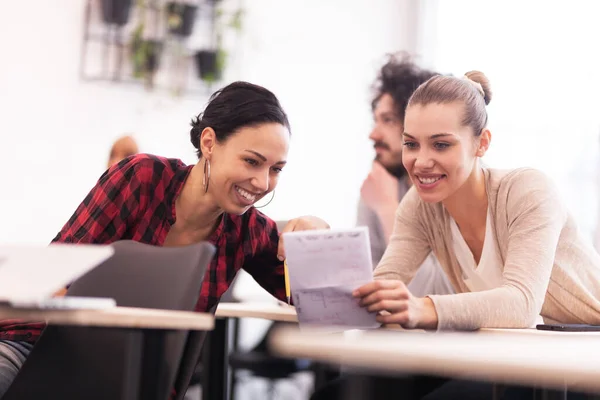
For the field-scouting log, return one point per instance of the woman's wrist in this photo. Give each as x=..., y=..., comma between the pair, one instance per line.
x=429, y=317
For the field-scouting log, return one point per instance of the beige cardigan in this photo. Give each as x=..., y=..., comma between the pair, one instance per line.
x=549, y=268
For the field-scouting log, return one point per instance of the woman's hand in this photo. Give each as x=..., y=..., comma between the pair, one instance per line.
x=396, y=305
x=305, y=223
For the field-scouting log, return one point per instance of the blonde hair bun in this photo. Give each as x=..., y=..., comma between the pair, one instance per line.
x=482, y=83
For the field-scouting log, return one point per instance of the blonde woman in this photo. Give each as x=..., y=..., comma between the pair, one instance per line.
x=504, y=238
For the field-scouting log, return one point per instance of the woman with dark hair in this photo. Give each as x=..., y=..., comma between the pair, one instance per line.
x=242, y=141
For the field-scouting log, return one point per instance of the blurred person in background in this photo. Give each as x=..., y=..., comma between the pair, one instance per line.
x=122, y=148
x=388, y=182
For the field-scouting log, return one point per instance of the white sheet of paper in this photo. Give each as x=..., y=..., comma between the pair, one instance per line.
x=33, y=273
x=334, y=306
x=325, y=266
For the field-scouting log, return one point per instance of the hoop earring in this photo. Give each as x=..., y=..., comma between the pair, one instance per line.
x=206, y=178
x=272, y=197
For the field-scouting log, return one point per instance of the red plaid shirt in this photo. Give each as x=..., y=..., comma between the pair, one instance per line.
x=135, y=199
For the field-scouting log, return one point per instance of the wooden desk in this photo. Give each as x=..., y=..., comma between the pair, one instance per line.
x=269, y=311
x=533, y=331
x=116, y=317
x=550, y=359
x=218, y=380
x=147, y=327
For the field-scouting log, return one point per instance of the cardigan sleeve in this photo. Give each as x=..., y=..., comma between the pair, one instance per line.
x=535, y=217
x=408, y=246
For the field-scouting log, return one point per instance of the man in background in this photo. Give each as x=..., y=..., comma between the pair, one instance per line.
x=124, y=147
x=388, y=180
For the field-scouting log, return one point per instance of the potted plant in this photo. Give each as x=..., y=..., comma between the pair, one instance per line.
x=211, y=63
x=181, y=18
x=115, y=11
x=145, y=55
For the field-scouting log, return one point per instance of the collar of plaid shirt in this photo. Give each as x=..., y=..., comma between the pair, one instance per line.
x=135, y=200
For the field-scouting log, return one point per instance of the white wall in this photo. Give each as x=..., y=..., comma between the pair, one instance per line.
x=318, y=56
x=56, y=131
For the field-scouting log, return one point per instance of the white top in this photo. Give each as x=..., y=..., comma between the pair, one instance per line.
x=488, y=273
x=430, y=278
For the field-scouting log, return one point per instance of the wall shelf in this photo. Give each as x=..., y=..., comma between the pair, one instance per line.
x=148, y=50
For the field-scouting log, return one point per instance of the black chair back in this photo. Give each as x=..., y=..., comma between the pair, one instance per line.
x=67, y=362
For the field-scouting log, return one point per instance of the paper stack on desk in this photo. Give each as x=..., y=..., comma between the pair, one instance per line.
x=325, y=266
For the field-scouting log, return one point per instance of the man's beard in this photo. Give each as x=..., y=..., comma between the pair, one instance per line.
x=397, y=168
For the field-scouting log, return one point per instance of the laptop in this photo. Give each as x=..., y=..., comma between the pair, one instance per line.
x=30, y=276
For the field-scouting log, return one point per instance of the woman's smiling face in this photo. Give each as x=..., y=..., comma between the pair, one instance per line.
x=439, y=153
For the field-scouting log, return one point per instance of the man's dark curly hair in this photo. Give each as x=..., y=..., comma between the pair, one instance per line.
x=399, y=78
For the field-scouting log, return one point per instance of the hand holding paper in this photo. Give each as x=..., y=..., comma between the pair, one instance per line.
x=399, y=305
x=305, y=223
x=325, y=267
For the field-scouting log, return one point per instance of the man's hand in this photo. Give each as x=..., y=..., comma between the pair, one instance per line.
x=397, y=303
x=380, y=189
x=305, y=223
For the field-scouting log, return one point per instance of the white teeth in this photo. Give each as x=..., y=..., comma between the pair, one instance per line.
x=429, y=181
x=247, y=195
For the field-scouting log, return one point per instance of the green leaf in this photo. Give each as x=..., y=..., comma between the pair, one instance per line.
x=236, y=20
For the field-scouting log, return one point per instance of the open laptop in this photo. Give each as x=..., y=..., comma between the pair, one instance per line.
x=31, y=275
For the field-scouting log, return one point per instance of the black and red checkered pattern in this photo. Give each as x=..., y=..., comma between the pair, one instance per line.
x=135, y=199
